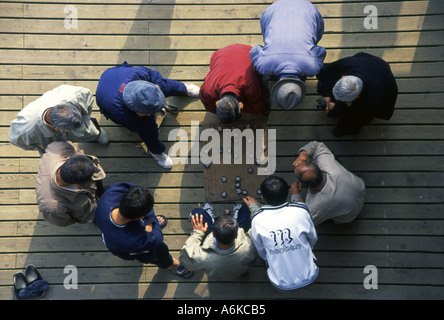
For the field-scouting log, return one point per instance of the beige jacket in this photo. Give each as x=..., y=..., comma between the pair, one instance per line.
x=63, y=206
x=29, y=131
x=202, y=254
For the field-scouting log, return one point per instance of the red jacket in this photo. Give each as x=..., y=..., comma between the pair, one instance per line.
x=231, y=71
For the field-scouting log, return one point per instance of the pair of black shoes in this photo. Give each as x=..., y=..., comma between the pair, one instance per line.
x=29, y=284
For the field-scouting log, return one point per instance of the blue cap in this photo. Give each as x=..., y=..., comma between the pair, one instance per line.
x=143, y=97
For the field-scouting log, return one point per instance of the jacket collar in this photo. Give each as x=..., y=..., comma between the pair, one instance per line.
x=210, y=244
x=70, y=193
x=285, y=204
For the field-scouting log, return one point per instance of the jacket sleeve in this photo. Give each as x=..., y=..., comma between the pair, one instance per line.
x=254, y=207
x=312, y=236
x=63, y=216
x=296, y=198
x=58, y=218
x=315, y=149
x=327, y=78
x=83, y=99
x=191, y=252
x=151, y=240
x=21, y=138
x=169, y=87
x=258, y=243
x=208, y=98
x=353, y=118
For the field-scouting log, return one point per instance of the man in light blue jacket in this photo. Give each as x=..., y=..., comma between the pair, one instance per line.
x=291, y=30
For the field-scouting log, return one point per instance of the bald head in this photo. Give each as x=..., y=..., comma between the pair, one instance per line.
x=308, y=173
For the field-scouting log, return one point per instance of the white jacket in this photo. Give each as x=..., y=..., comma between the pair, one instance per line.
x=29, y=131
x=284, y=236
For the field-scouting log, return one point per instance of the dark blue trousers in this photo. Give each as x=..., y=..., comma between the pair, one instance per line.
x=243, y=218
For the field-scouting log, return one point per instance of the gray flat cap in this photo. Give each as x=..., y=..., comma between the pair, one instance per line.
x=287, y=93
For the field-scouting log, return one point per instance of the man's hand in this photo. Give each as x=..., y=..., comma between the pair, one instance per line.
x=329, y=107
x=296, y=188
x=249, y=200
x=197, y=223
x=149, y=227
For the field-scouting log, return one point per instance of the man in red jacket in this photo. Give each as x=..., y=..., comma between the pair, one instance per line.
x=233, y=86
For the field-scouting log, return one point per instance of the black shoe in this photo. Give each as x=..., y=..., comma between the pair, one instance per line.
x=36, y=287
x=19, y=284
x=32, y=274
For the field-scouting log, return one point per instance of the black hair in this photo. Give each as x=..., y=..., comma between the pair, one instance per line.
x=225, y=229
x=228, y=108
x=77, y=169
x=275, y=190
x=315, y=179
x=136, y=202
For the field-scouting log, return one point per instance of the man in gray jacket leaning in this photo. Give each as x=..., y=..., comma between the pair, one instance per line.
x=61, y=114
x=333, y=192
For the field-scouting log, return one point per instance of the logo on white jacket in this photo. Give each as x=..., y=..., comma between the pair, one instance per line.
x=283, y=242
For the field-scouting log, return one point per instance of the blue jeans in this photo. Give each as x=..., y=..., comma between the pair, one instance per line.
x=243, y=218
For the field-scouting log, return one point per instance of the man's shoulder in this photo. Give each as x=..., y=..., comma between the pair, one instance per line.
x=299, y=205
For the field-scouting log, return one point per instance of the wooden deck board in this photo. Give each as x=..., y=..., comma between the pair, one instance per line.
x=400, y=229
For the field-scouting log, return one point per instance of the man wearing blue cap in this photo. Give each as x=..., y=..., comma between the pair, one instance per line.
x=131, y=96
x=291, y=30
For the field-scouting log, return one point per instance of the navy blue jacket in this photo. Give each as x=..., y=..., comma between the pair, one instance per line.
x=110, y=100
x=129, y=240
x=378, y=96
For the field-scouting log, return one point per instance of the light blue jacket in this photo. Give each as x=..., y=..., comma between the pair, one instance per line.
x=291, y=30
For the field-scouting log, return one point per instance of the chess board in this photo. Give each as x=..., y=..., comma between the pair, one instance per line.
x=234, y=181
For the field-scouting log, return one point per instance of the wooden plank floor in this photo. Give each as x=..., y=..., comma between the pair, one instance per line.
x=400, y=230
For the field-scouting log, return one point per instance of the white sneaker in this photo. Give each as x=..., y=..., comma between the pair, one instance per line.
x=103, y=138
x=208, y=207
x=192, y=90
x=162, y=160
x=236, y=210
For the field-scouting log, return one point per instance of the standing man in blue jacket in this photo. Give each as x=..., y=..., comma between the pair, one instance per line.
x=131, y=96
x=291, y=30
x=130, y=228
